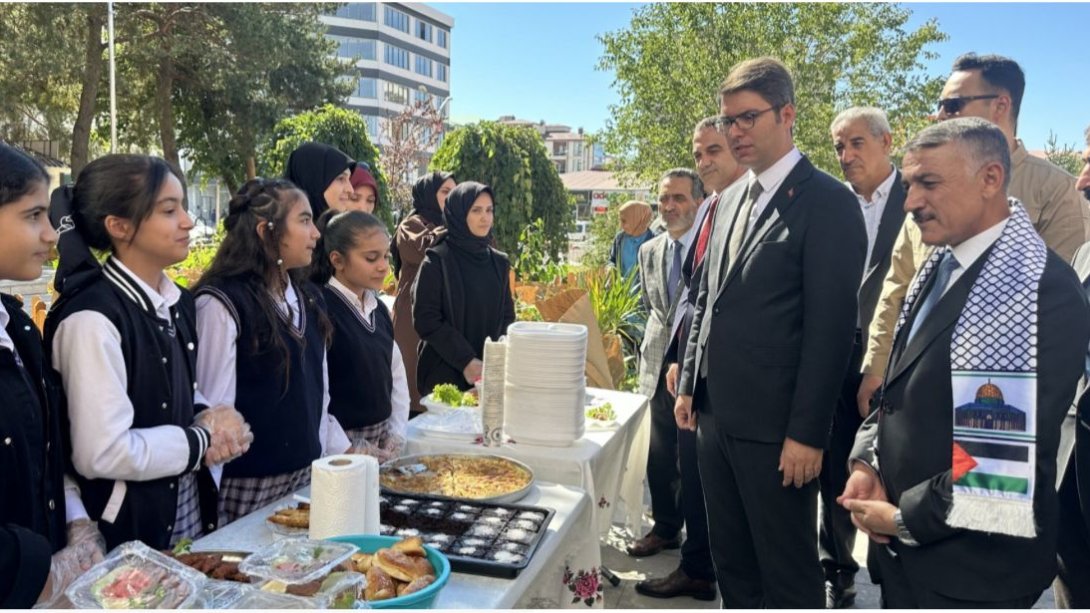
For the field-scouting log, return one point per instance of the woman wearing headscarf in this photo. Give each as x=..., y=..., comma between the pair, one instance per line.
x=323, y=173
x=364, y=188
x=635, y=231
x=462, y=295
x=414, y=236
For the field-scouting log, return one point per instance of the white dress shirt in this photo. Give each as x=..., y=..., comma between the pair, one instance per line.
x=218, y=353
x=399, y=390
x=686, y=243
x=969, y=251
x=873, y=209
x=770, y=181
x=87, y=354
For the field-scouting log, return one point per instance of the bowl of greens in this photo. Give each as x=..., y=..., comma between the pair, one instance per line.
x=447, y=396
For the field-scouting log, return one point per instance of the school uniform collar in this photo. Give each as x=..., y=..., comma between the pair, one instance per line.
x=157, y=301
x=366, y=306
x=5, y=338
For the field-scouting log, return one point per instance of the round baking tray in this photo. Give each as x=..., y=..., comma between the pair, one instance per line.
x=415, y=459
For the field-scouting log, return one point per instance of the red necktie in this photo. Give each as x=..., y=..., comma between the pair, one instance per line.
x=705, y=233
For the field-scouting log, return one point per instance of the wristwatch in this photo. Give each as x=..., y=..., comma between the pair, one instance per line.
x=903, y=534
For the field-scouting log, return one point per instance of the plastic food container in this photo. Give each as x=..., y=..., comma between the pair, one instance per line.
x=217, y=594
x=257, y=599
x=296, y=561
x=135, y=576
x=425, y=598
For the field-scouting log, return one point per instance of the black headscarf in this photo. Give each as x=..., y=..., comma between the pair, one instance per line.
x=426, y=196
x=459, y=202
x=426, y=205
x=312, y=167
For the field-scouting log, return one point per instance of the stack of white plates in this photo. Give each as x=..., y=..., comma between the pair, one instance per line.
x=545, y=383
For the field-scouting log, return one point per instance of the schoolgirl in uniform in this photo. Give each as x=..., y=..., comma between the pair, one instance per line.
x=37, y=558
x=369, y=394
x=123, y=338
x=264, y=334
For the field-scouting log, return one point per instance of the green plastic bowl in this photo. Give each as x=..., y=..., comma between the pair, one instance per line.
x=425, y=598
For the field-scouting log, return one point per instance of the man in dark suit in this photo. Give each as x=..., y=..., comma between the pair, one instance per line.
x=1072, y=584
x=695, y=575
x=769, y=346
x=660, y=261
x=862, y=139
x=911, y=474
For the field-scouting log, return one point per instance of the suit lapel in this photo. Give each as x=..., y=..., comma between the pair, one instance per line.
x=787, y=194
x=893, y=218
x=945, y=313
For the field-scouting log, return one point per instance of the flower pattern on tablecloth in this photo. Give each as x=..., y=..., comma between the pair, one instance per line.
x=585, y=585
x=603, y=503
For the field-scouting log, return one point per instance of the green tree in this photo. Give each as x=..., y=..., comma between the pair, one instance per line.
x=513, y=161
x=669, y=62
x=1067, y=156
x=337, y=127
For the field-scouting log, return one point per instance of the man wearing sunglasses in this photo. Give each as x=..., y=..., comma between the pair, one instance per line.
x=769, y=347
x=989, y=87
x=1073, y=465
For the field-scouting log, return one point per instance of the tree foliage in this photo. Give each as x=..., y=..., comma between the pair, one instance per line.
x=337, y=127
x=669, y=62
x=513, y=161
x=409, y=135
x=209, y=79
x=1066, y=156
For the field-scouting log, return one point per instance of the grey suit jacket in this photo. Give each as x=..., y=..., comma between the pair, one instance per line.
x=654, y=273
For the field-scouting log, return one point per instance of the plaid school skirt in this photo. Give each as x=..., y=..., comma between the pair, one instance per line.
x=241, y=496
x=375, y=434
x=187, y=520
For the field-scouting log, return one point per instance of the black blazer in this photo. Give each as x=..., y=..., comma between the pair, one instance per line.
x=690, y=279
x=913, y=433
x=893, y=217
x=776, y=329
x=1075, y=436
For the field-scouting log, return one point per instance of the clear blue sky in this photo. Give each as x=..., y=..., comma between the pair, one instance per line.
x=537, y=60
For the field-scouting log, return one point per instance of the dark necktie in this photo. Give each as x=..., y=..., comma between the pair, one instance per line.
x=673, y=278
x=946, y=267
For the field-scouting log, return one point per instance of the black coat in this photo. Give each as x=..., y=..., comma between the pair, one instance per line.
x=32, y=513
x=772, y=335
x=1075, y=436
x=440, y=311
x=913, y=432
x=893, y=217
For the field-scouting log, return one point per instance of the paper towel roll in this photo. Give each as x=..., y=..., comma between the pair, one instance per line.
x=344, y=492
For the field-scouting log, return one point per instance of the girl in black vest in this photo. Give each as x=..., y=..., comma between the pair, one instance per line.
x=462, y=295
x=369, y=394
x=264, y=335
x=123, y=338
x=37, y=558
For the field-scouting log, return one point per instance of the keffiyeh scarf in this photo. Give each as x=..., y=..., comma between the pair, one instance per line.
x=993, y=370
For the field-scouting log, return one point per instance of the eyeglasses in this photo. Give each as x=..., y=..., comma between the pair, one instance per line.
x=744, y=121
x=953, y=106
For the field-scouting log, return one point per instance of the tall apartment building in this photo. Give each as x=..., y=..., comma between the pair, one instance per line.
x=568, y=150
x=401, y=52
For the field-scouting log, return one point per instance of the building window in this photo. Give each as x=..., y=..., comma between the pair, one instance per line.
x=367, y=88
x=396, y=19
x=423, y=66
x=363, y=11
x=443, y=38
x=356, y=48
x=423, y=30
x=577, y=148
x=421, y=97
x=396, y=56
x=398, y=94
x=372, y=126
x=441, y=73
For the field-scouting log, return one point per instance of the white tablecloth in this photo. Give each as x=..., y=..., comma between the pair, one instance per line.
x=609, y=464
x=565, y=564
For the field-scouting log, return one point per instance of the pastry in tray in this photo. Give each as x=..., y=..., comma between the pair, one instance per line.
x=474, y=477
x=292, y=517
x=395, y=571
